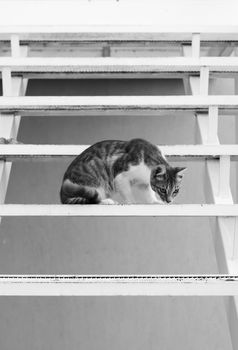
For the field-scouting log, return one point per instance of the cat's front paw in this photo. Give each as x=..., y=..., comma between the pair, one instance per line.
x=8, y=141
x=108, y=201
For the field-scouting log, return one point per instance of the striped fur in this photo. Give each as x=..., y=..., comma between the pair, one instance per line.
x=130, y=171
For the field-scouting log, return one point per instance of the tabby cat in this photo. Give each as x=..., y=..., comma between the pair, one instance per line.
x=124, y=172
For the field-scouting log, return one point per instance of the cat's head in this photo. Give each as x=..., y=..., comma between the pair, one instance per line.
x=166, y=181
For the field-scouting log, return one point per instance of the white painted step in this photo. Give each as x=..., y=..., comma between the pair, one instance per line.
x=149, y=67
x=113, y=105
x=156, y=210
x=115, y=285
x=172, y=152
x=120, y=32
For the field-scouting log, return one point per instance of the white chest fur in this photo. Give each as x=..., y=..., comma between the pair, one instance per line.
x=138, y=175
x=134, y=185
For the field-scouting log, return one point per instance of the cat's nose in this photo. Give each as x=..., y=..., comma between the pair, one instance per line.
x=169, y=200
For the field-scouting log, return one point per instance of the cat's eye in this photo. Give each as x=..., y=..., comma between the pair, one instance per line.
x=176, y=191
x=162, y=190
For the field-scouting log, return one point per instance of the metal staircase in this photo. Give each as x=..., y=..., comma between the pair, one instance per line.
x=16, y=68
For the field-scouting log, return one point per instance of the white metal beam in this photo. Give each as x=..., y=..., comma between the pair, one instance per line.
x=9, y=124
x=217, y=189
x=212, y=124
x=15, y=45
x=236, y=126
x=196, y=37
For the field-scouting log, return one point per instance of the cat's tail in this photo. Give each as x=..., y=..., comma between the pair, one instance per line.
x=72, y=193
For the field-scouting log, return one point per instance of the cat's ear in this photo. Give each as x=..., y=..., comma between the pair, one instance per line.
x=180, y=172
x=160, y=171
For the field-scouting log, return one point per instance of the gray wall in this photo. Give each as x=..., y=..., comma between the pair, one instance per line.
x=106, y=245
